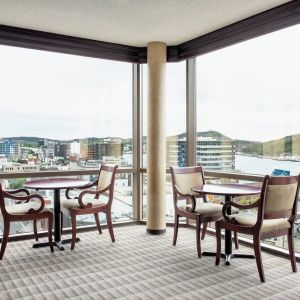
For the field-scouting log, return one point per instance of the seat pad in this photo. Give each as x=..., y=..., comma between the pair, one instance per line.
x=22, y=208
x=268, y=225
x=208, y=209
x=68, y=204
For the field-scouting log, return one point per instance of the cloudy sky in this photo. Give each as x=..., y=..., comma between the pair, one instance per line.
x=247, y=91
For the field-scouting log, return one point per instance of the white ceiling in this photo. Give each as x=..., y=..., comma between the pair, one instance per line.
x=130, y=22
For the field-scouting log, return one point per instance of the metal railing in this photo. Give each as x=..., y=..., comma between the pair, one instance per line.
x=137, y=197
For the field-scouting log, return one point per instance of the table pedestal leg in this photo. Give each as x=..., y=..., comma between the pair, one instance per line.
x=228, y=243
x=57, y=226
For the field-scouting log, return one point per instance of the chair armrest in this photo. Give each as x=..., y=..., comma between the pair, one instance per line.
x=18, y=191
x=26, y=199
x=80, y=188
x=239, y=206
x=90, y=192
x=188, y=196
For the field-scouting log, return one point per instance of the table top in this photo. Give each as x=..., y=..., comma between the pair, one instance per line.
x=55, y=183
x=234, y=189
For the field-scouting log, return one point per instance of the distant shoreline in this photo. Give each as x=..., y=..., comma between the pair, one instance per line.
x=268, y=157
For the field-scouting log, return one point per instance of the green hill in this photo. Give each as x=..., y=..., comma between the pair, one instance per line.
x=288, y=145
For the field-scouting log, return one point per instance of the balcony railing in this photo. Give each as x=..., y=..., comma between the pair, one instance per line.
x=138, y=198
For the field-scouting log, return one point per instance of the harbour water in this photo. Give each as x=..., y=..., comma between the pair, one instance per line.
x=243, y=164
x=264, y=166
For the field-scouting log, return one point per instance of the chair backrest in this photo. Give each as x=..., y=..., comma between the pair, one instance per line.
x=185, y=178
x=2, y=202
x=106, y=176
x=279, y=195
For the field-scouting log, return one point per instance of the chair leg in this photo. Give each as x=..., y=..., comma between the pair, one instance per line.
x=73, y=221
x=257, y=252
x=204, y=230
x=291, y=250
x=98, y=223
x=175, y=229
x=236, y=240
x=4, y=237
x=109, y=225
x=218, y=238
x=35, y=230
x=198, y=229
x=61, y=222
x=50, y=225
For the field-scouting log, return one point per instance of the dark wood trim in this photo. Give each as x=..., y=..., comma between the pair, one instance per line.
x=155, y=232
x=39, y=40
x=280, y=17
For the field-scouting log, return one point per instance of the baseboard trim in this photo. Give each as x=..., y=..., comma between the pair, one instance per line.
x=156, y=231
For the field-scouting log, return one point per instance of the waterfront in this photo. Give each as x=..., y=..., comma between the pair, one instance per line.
x=264, y=166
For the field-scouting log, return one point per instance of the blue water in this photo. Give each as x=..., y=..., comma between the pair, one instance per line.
x=264, y=166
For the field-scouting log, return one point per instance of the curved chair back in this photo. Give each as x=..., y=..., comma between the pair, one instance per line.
x=2, y=202
x=279, y=194
x=185, y=178
x=106, y=179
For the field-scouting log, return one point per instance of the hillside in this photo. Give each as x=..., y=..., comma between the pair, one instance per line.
x=210, y=133
x=289, y=145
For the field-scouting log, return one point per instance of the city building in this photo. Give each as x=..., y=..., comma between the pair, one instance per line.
x=88, y=149
x=12, y=168
x=62, y=150
x=9, y=148
x=75, y=148
x=109, y=147
x=213, y=153
x=216, y=154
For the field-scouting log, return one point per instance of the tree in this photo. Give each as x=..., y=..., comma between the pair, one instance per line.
x=16, y=183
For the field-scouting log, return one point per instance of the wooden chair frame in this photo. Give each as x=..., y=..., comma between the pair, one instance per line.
x=32, y=215
x=255, y=231
x=190, y=213
x=88, y=209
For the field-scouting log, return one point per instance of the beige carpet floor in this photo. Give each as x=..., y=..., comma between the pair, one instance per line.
x=139, y=266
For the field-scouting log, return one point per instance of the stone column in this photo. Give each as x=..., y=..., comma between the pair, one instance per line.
x=156, y=154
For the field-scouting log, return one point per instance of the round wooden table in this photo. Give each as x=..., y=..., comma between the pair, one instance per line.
x=229, y=191
x=55, y=184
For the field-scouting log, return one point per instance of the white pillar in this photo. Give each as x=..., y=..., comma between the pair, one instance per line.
x=156, y=154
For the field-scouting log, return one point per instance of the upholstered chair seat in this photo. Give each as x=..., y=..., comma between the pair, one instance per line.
x=68, y=204
x=23, y=208
x=268, y=225
x=207, y=209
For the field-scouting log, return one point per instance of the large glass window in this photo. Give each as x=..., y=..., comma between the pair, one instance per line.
x=64, y=112
x=248, y=107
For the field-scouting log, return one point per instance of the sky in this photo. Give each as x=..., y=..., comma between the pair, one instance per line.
x=246, y=91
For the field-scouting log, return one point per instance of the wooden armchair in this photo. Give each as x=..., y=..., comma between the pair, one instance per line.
x=276, y=211
x=183, y=180
x=83, y=205
x=23, y=210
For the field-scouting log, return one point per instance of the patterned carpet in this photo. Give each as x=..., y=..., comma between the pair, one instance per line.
x=139, y=266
